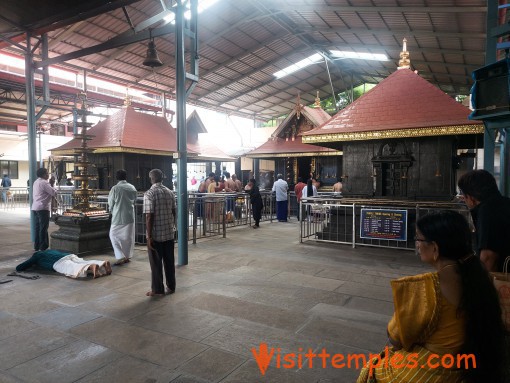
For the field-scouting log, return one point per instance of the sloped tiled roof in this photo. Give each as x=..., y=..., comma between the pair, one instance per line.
x=129, y=131
x=317, y=116
x=402, y=105
x=277, y=146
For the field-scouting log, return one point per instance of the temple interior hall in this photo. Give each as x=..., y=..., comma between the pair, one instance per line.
x=370, y=111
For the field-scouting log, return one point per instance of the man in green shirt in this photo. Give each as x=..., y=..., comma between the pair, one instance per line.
x=121, y=202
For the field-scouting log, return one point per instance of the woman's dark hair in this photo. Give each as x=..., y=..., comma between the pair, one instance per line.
x=252, y=180
x=484, y=331
x=309, y=188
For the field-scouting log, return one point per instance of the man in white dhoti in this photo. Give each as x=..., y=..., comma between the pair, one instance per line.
x=68, y=264
x=121, y=202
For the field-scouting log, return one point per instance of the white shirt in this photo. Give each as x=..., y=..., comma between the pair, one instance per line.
x=281, y=187
x=305, y=192
x=42, y=194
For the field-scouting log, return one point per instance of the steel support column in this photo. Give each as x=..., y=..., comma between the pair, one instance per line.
x=31, y=122
x=182, y=185
x=181, y=95
x=490, y=57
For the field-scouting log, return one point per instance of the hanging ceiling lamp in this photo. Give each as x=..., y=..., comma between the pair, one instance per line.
x=152, y=60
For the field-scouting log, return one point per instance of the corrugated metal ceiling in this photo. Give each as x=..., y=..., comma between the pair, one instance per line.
x=242, y=43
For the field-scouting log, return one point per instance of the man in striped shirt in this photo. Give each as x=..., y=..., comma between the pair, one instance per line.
x=159, y=209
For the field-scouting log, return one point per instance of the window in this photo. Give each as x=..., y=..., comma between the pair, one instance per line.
x=9, y=128
x=10, y=168
x=58, y=130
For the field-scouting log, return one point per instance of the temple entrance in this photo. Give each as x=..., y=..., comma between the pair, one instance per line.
x=390, y=170
x=303, y=167
x=390, y=179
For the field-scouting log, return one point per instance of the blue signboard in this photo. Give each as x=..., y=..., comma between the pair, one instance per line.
x=384, y=224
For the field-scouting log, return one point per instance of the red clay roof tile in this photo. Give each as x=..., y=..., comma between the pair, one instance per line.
x=403, y=100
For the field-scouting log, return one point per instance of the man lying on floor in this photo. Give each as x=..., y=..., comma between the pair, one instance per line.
x=68, y=264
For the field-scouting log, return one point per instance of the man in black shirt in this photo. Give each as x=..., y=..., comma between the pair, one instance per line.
x=491, y=215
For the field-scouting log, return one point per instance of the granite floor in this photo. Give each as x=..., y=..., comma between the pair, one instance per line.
x=253, y=287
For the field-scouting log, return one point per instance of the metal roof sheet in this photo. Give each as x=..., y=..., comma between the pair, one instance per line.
x=242, y=43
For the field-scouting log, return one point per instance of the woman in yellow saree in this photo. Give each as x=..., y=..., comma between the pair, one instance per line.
x=447, y=324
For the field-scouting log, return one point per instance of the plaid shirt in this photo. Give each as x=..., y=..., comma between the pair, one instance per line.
x=160, y=201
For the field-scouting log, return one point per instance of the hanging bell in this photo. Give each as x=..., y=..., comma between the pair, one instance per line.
x=152, y=60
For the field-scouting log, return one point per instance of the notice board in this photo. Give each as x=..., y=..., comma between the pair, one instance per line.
x=384, y=224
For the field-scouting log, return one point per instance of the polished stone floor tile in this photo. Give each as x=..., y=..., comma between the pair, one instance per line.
x=30, y=344
x=212, y=365
x=250, y=373
x=297, y=304
x=11, y=325
x=182, y=321
x=78, y=297
x=242, y=336
x=64, y=318
x=130, y=370
x=234, y=291
x=366, y=291
x=370, y=321
x=303, y=280
x=26, y=305
x=345, y=332
x=5, y=377
x=238, y=308
x=65, y=364
x=153, y=346
x=122, y=306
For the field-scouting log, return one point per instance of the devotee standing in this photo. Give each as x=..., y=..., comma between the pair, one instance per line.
x=297, y=191
x=6, y=184
x=159, y=209
x=256, y=201
x=239, y=184
x=337, y=187
x=121, y=202
x=491, y=215
x=281, y=187
x=43, y=192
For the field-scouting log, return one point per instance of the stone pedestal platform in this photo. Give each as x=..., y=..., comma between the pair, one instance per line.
x=79, y=234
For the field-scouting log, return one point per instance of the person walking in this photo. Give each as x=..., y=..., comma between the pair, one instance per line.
x=121, y=202
x=256, y=201
x=281, y=188
x=159, y=208
x=43, y=193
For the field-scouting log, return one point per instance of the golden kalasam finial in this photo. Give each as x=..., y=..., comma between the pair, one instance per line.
x=404, y=61
x=82, y=96
x=317, y=101
x=128, y=98
x=298, y=106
